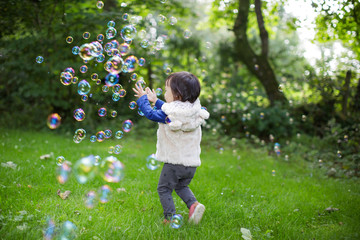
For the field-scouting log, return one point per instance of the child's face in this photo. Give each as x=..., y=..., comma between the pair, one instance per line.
x=169, y=97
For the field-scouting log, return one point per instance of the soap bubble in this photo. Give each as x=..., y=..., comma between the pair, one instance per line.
x=140, y=113
x=60, y=160
x=75, y=50
x=133, y=77
x=132, y=105
x=128, y=32
x=75, y=80
x=158, y=91
x=111, y=79
x=108, y=133
x=94, y=76
x=168, y=71
x=142, y=34
x=262, y=115
x=118, y=149
x=86, y=35
x=281, y=87
x=79, y=114
x=105, y=88
x=172, y=20
x=104, y=193
x=39, y=59
x=141, y=83
x=85, y=51
x=144, y=43
x=187, y=34
x=90, y=200
x=125, y=17
x=97, y=160
x=176, y=221
x=53, y=120
x=68, y=231
x=80, y=133
x=84, y=169
x=63, y=172
x=111, y=24
x=116, y=88
x=141, y=62
x=100, y=136
x=69, y=39
x=130, y=64
x=222, y=118
x=119, y=134
x=151, y=162
x=273, y=173
x=93, y=138
x=114, y=65
x=110, y=33
x=113, y=113
x=127, y=125
x=83, y=87
x=100, y=37
x=100, y=58
x=124, y=49
x=100, y=4
x=49, y=232
x=111, y=150
x=161, y=18
x=122, y=92
x=116, y=97
x=83, y=69
x=66, y=78
x=102, y=112
x=111, y=169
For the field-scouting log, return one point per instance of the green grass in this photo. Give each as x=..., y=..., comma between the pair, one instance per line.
x=238, y=191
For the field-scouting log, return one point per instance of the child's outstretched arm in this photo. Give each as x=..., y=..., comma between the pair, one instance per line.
x=144, y=105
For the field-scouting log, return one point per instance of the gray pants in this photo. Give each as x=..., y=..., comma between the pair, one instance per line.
x=176, y=177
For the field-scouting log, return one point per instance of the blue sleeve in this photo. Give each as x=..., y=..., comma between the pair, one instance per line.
x=154, y=115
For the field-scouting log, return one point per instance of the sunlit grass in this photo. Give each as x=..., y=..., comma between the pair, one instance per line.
x=238, y=190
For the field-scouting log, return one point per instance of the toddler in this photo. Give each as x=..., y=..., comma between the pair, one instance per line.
x=178, y=139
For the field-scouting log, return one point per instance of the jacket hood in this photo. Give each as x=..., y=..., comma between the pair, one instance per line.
x=185, y=116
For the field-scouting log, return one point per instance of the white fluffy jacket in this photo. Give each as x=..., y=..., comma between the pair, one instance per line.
x=179, y=141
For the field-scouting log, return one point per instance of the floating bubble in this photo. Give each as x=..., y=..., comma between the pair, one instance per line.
x=115, y=44
x=110, y=33
x=122, y=92
x=39, y=59
x=114, y=65
x=111, y=79
x=83, y=87
x=221, y=150
x=84, y=169
x=144, y=43
x=151, y=162
x=96, y=49
x=128, y=32
x=113, y=113
x=273, y=173
x=80, y=133
x=97, y=160
x=66, y=78
x=53, y=120
x=90, y=200
x=86, y=35
x=303, y=118
x=281, y=88
x=118, y=149
x=339, y=154
x=132, y=105
x=102, y=112
x=79, y=114
x=85, y=51
x=105, y=88
x=130, y=64
x=93, y=138
x=141, y=83
x=111, y=24
x=68, y=231
x=108, y=133
x=346, y=138
x=100, y=136
x=75, y=80
x=60, y=160
x=111, y=150
x=176, y=221
x=94, y=76
x=158, y=91
x=49, y=231
x=104, y=193
x=127, y=125
x=69, y=39
x=100, y=37
x=124, y=49
x=161, y=18
x=125, y=17
x=141, y=62
x=142, y=34
x=83, y=69
x=168, y=71
x=75, y=50
x=100, y=58
x=262, y=115
x=286, y=157
x=172, y=20
x=63, y=172
x=163, y=1
x=116, y=97
x=291, y=120
x=111, y=169
x=140, y=113
x=187, y=33
x=119, y=134
x=100, y=4
x=222, y=119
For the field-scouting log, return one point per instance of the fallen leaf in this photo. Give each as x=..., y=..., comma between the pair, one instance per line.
x=9, y=165
x=63, y=195
x=330, y=209
x=45, y=156
x=246, y=234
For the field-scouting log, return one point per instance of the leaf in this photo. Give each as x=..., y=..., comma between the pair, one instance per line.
x=246, y=234
x=64, y=195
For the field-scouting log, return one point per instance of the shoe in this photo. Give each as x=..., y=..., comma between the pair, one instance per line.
x=196, y=212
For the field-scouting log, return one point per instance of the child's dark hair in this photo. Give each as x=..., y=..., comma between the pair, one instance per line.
x=185, y=86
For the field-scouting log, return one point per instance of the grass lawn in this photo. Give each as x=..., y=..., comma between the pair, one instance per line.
x=238, y=190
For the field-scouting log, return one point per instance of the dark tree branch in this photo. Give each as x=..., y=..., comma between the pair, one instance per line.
x=264, y=36
x=345, y=93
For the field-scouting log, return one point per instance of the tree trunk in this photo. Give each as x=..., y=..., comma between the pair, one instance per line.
x=345, y=93
x=257, y=64
x=356, y=104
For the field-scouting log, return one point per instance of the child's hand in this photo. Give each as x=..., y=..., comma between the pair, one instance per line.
x=151, y=95
x=139, y=91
